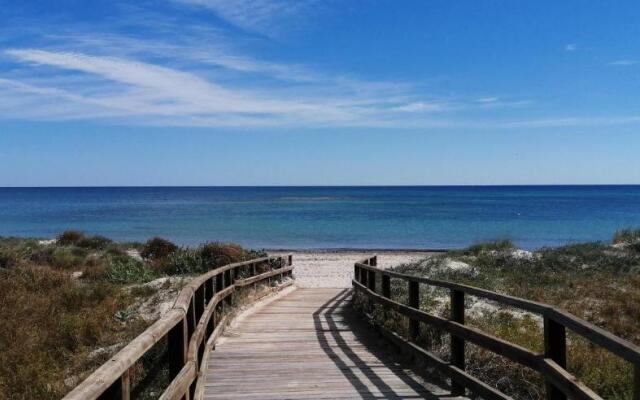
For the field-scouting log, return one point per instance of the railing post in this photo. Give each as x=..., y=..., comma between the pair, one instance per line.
x=219, y=283
x=555, y=348
x=457, y=344
x=363, y=277
x=228, y=282
x=371, y=280
x=414, y=302
x=386, y=285
x=200, y=301
x=119, y=390
x=289, y=260
x=356, y=273
x=209, y=290
x=191, y=318
x=177, y=348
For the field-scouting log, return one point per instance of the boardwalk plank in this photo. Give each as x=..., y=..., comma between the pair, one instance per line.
x=309, y=345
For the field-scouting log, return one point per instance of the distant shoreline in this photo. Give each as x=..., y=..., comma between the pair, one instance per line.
x=356, y=250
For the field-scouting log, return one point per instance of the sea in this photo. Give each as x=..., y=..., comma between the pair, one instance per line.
x=396, y=217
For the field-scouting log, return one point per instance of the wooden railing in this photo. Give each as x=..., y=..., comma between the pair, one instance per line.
x=552, y=364
x=191, y=329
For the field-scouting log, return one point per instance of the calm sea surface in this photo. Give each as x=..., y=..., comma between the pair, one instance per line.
x=327, y=217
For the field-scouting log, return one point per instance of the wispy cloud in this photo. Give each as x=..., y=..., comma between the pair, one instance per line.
x=623, y=63
x=194, y=75
x=571, y=47
x=133, y=89
x=487, y=100
x=267, y=17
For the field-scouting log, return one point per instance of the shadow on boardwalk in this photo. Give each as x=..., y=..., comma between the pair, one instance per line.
x=334, y=318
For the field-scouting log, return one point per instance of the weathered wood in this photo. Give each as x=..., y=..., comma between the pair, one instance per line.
x=457, y=343
x=119, y=390
x=386, y=285
x=555, y=348
x=457, y=375
x=179, y=386
x=371, y=281
x=414, y=302
x=552, y=365
x=185, y=326
x=308, y=345
x=177, y=348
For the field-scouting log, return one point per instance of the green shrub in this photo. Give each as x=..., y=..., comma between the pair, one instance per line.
x=184, y=261
x=94, y=242
x=9, y=258
x=65, y=258
x=157, y=249
x=627, y=236
x=127, y=270
x=70, y=238
x=216, y=254
x=496, y=245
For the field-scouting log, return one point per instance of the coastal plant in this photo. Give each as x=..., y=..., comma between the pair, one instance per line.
x=500, y=245
x=157, y=249
x=127, y=270
x=70, y=238
x=627, y=236
x=594, y=281
x=217, y=254
x=184, y=261
x=96, y=242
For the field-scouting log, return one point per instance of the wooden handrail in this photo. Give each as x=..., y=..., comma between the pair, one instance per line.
x=551, y=364
x=190, y=328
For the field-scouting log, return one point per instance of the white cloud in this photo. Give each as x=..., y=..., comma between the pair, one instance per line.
x=263, y=16
x=487, y=100
x=623, y=62
x=420, y=107
x=571, y=47
x=128, y=88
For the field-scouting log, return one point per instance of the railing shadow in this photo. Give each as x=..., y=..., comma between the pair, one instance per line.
x=368, y=382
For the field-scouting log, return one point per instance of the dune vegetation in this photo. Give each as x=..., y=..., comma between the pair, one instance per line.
x=68, y=304
x=598, y=282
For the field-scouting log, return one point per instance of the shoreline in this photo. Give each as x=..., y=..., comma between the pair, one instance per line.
x=334, y=268
x=330, y=250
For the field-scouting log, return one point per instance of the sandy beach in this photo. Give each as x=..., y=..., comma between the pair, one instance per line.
x=334, y=269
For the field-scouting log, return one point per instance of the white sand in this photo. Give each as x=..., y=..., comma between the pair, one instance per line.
x=335, y=268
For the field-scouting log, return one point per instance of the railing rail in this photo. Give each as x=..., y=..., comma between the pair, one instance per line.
x=560, y=384
x=191, y=330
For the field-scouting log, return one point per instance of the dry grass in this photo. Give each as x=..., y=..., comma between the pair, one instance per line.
x=66, y=307
x=596, y=281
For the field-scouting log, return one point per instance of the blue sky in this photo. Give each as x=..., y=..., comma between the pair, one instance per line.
x=274, y=92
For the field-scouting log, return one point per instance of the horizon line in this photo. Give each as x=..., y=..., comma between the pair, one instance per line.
x=323, y=186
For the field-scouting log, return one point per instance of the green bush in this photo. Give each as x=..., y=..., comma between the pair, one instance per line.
x=9, y=258
x=184, y=261
x=496, y=245
x=94, y=242
x=65, y=258
x=157, y=249
x=627, y=236
x=70, y=238
x=216, y=254
x=127, y=270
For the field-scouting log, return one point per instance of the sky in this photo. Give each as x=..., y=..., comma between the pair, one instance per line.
x=319, y=92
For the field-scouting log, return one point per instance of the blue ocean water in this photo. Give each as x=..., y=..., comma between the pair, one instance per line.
x=327, y=217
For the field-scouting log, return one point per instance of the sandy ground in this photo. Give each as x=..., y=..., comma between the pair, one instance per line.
x=334, y=269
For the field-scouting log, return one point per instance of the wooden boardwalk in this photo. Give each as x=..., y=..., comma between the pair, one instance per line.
x=309, y=345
